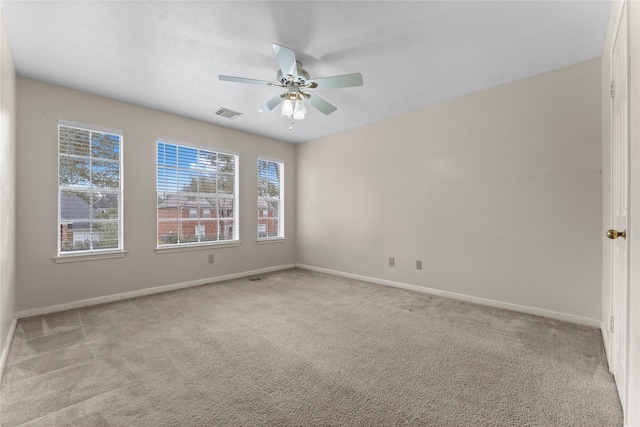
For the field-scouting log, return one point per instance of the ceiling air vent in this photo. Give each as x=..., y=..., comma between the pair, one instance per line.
x=229, y=114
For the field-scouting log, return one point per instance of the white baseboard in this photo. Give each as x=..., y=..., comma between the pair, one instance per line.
x=7, y=346
x=468, y=298
x=148, y=291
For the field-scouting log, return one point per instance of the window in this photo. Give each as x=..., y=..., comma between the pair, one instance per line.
x=270, y=199
x=197, y=196
x=89, y=189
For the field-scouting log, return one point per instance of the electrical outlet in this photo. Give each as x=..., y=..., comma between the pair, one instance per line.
x=418, y=265
x=392, y=261
x=211, y=259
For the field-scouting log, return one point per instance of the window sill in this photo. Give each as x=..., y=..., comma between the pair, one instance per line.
x=200, y=247
x=61, y=259
x=270, y=240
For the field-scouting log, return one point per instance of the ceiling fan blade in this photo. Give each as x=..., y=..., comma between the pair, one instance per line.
x=286, y=60
x=273, y=103
x=245, y=80
x=320, y=104
x=345, y=80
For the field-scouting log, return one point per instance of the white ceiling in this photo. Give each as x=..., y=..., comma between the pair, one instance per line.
x=167, y=54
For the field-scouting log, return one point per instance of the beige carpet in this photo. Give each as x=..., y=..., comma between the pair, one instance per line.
x=297, y=348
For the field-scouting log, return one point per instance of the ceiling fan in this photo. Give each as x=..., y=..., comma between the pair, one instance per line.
x=297, y=82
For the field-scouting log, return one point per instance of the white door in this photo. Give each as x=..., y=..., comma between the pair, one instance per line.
x=619, y=194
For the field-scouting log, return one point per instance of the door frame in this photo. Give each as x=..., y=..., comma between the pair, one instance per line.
x=632, y=414
x=618, y=280
x=632, y=380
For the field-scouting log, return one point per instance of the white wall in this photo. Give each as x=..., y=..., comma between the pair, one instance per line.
x=7, y=192
x=498, y=193
x=43, y=283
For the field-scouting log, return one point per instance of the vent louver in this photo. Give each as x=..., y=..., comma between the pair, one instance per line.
x=229, y=114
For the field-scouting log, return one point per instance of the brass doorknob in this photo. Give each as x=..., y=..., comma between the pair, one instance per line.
x=614, y=234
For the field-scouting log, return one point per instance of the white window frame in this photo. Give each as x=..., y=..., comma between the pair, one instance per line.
x=180, y=246
x=280, y=199
x=92, y=253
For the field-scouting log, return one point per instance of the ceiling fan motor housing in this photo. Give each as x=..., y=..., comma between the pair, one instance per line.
x=303, y=75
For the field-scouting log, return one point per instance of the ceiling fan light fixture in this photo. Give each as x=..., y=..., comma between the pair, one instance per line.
x=293, y=107
x=287, y=109
x=299, y=111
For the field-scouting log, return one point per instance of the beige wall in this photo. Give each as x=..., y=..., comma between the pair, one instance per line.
x=498, y=194
x=7, y=190
x=43, y=283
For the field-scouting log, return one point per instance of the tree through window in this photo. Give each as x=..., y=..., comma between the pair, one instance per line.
x=89, y=189
x=197, y=196
x=270, y=199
